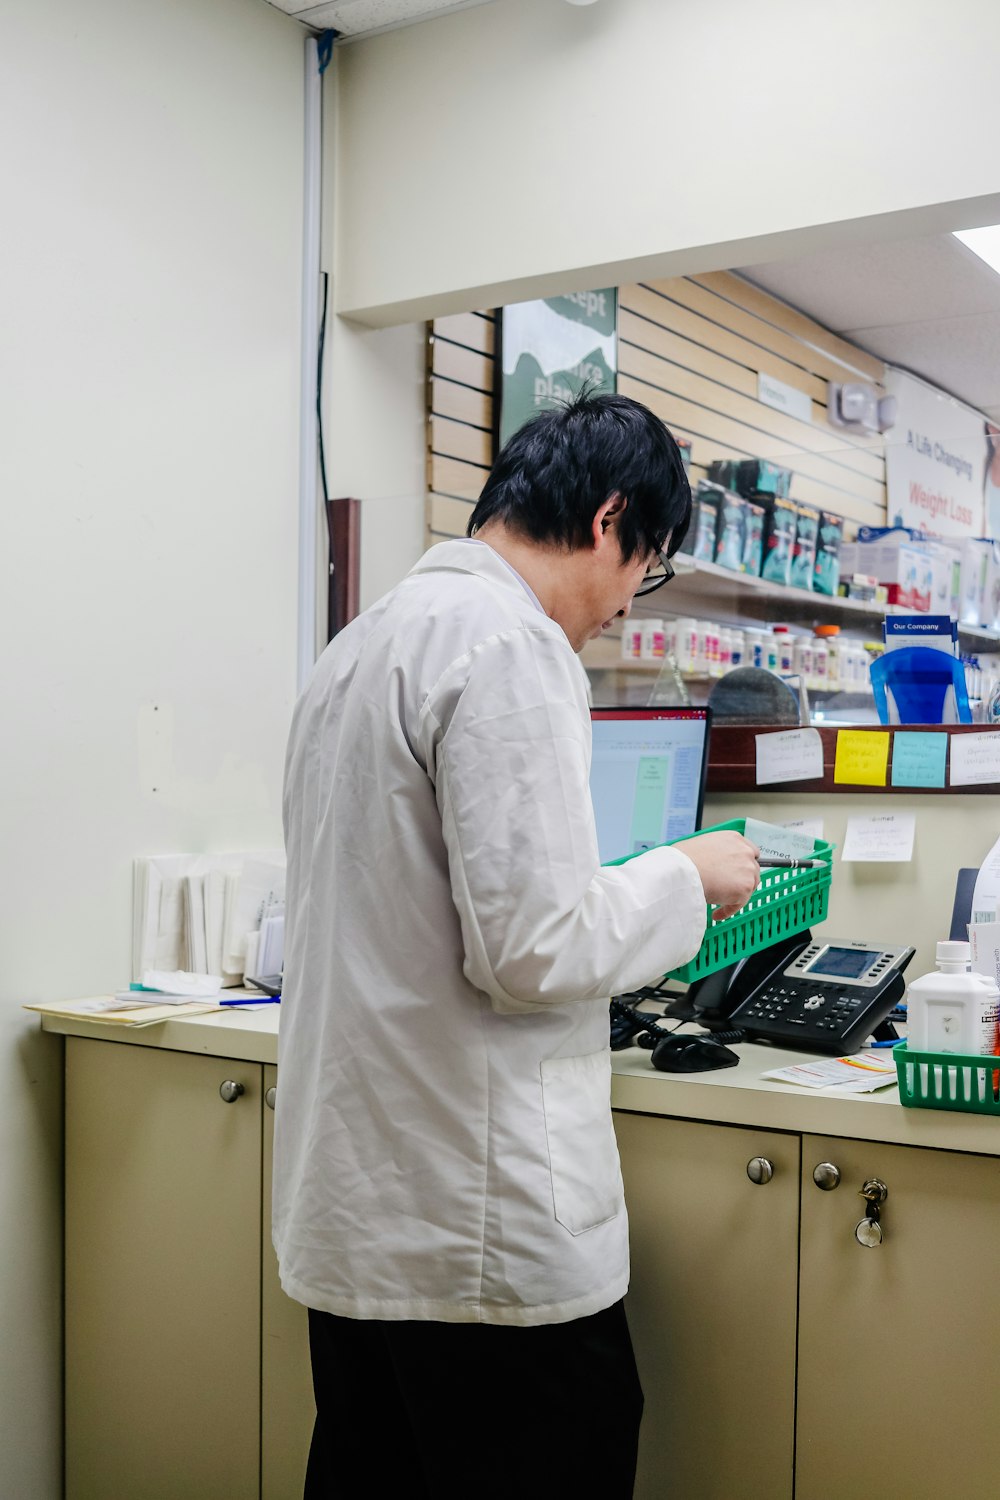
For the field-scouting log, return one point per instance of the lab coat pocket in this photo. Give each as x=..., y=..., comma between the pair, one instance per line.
x=583, y=1154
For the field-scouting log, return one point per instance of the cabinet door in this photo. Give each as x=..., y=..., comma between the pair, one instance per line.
x=162, y=1275
x=287, y=1406
x=897, y=1351
x=712, y=1307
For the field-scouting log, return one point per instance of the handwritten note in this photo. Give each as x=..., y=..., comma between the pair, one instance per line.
x=918, y=759
x=789, y=755
x=975, y=758
x=882, y=839
x=779, y=842
x=812, y=827
x=862, y=758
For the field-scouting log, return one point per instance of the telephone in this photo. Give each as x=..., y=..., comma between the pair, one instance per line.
x=826, y=995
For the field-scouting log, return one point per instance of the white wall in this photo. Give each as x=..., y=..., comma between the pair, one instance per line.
x=375, y=402
x=908, y=903
x=149, y=275
x=530, y=147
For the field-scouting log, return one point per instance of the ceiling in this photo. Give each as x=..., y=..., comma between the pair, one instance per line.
x=927, y=304
x=357, y=18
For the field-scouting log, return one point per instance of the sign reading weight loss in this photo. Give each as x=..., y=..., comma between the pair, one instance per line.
x=936, y=461
x=550, y=349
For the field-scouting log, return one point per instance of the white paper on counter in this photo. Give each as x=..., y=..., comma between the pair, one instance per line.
x=975, y=758
x=860, y=1074
x=789, y=755
x=777, y=841
x=884, y=838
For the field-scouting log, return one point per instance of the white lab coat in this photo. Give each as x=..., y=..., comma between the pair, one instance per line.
x=444, y=1146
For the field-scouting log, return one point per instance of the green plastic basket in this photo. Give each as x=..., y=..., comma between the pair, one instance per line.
x=947, y=1080
x=787, y=901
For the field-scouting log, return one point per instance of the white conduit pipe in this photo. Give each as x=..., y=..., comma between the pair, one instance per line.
x=308, y=460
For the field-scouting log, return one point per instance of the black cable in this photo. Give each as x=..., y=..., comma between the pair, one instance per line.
x=331, y=626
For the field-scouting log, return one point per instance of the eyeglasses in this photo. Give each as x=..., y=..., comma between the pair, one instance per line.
x=656, y=580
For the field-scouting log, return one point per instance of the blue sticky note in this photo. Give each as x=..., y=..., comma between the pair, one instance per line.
x=917, y=758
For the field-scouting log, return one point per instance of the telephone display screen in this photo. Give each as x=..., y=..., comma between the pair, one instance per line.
x=843, y=963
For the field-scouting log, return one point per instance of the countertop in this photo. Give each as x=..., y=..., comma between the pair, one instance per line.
x=731, y=1096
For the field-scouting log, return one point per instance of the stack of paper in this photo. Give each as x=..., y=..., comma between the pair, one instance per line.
x=195, y=911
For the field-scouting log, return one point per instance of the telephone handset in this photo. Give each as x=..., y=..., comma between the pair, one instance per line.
x=826, y=995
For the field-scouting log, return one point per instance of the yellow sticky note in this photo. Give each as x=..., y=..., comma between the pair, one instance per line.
x=862, y=757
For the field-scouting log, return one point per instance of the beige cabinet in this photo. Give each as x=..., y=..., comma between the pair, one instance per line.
x=712, y=1306
x=764, y=1330
x=897, y=1344
x=176, y=1385
x=287, y=1408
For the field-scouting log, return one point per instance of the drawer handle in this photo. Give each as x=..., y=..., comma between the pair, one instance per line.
x=230, y=1091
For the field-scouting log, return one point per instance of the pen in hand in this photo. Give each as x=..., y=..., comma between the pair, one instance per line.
x=776, y=862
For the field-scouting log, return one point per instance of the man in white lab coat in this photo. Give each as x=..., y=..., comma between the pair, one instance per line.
x=448, y=1201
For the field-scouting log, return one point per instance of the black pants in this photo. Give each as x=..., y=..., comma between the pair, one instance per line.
x=472, y=1411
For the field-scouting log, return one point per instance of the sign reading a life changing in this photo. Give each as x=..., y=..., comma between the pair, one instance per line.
x=551, y=349
x=936, y=461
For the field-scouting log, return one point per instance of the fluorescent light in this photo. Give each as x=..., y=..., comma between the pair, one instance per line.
x=983, y=242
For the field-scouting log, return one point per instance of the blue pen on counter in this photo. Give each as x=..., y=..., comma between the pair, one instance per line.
x=254, y=1000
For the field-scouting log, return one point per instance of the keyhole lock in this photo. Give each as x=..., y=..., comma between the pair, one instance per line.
x=869, y=1232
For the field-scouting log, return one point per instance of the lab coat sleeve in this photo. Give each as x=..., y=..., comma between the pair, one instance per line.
x=508, y=736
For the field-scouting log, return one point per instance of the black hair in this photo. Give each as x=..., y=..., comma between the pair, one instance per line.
x=551, y=478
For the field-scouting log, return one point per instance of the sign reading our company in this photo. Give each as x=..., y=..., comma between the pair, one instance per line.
x=551, y=349
x=935, y=461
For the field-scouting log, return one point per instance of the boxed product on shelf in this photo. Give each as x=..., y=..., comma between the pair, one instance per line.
x=759, y=479
x=724, y=472
x=900, y=559
x=979, y=583
x=779, y=539
x=753, y=538
x=804, y=548
x=684, y=444
x=826, y=570
x=730, y=533
x=701, y=533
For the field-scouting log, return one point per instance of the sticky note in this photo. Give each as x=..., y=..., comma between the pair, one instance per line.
x=789, y=755
x=886, y=837
x=862, y=757
x=975, y=758
x=918, y=758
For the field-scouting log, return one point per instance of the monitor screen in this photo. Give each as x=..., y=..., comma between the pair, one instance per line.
x=647, y=776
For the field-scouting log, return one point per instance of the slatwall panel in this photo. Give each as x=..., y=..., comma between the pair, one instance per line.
x=460, y=428
x=691, y=349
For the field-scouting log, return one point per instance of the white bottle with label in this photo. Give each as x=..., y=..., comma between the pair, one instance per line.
x=653, y=646
x=737, y=649
x=686, y=643
x=631, y=640
x=951, y=1010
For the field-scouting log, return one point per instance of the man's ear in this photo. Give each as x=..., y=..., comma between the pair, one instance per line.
x=606, y=515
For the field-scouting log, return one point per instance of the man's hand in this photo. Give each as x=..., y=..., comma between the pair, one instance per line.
x=727, y=864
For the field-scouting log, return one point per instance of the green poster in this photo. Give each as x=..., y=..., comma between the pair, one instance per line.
x=551, y=349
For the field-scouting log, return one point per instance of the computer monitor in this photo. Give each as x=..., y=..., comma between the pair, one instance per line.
x=647, y=776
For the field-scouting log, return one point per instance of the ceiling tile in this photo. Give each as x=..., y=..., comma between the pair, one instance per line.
x=962, y=355
x=904, y=281
x=353, y=18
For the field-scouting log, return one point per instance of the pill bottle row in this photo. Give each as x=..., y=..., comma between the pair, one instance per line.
x=703, y=648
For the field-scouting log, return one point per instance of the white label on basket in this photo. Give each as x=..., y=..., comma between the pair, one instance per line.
x=777, y=842
x=885, y=838
x=789, y=755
